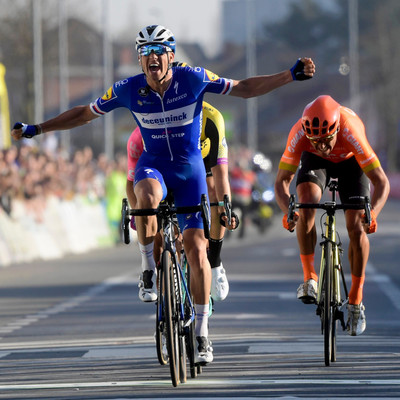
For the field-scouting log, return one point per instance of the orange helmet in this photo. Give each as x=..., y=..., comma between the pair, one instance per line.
x=321, y=118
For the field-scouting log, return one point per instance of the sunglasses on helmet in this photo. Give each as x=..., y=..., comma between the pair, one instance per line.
x=158, y=49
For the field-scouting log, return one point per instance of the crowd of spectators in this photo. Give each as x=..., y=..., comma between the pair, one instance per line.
x=31, y=174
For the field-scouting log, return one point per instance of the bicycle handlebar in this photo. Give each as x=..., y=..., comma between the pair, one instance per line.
x=228, y=208
x=168, y=210
x=331, y=206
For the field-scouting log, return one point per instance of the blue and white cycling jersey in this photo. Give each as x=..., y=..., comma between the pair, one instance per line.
x=171, y=128
x=170, y=125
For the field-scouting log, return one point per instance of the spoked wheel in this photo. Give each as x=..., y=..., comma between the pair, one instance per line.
x=181, y=306
x=160, y=321
x=333, y=341
x=328, y=322
x=182, y=358
x=190, y=334
x=171, y=315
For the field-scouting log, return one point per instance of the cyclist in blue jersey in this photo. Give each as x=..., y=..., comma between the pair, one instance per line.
x=166, y=103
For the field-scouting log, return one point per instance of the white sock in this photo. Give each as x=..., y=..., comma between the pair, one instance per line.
x=201, y=319
x=146, y=251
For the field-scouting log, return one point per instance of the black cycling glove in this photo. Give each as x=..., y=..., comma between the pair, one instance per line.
x=298, y=71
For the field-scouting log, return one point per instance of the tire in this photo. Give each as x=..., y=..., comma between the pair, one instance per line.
x=182, y=358
x=190, y=331
x=335, y=301
x=171, y=321
x=160, y=320
x=327, y=309
x=181, y=305
x=125, y=221
x=333, y=340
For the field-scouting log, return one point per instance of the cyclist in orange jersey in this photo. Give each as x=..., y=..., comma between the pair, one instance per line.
x=329, y=141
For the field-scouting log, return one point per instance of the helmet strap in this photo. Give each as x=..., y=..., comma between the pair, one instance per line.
x=169, y=67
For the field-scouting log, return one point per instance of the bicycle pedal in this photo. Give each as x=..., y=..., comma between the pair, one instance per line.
x=339, y=315
x=308, y=300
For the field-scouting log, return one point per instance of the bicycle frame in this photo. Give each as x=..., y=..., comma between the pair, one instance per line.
x=330, y=301
x=330, y=235
x=175, y=309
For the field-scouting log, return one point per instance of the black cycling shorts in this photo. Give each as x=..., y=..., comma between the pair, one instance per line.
x=352, y=182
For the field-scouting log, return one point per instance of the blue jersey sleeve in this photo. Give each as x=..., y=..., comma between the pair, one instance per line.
x=215, y=84
x=202, y=80
x=118, y=95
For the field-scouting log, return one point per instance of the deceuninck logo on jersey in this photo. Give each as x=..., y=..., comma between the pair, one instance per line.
x=210, y=76
x=172, y=118
x=109, y=95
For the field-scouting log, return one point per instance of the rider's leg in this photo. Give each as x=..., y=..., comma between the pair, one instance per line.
x=307, y=192
x=358, y=257
x=217, y=231
x=219, y=285
x=196, y=253
x=358, y=254
x=149, y=193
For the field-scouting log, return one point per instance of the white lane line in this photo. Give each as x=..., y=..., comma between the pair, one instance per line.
x=122, y=353
x=67, y=305
x=266, y=293
x=265, y=277
x=384, y=283
x=207, y=383
x=221, y=338
x=287, y=348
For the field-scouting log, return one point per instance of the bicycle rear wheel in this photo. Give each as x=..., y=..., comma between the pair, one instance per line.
x=337, y=274
x=189, y=330
x=182, y=358
x=327, y=299
x=160, y=321
x=333, y=340
x=171, y=314
x=181, y=302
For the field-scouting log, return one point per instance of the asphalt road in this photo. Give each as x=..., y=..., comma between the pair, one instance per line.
x=75, y=328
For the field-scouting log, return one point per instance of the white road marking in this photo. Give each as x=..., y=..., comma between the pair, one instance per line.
x=208, y=383
x=67, y=305
x=125, y=352
x=266, y=293
x=385, y=284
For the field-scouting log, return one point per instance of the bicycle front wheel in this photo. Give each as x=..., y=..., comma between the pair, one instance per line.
x=171, y=314
x=327, y=299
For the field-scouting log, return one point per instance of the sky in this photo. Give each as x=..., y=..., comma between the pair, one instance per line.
x=189, y=20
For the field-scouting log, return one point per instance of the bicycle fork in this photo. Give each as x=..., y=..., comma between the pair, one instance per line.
x=337, y=274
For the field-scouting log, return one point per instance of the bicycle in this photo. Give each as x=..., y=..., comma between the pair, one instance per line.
x=332, y=294
x=175, y=314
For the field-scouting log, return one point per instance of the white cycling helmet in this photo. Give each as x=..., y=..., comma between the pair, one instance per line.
x=153, y=34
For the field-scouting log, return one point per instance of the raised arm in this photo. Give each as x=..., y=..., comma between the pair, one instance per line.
x=72, y=118
x=262, y=84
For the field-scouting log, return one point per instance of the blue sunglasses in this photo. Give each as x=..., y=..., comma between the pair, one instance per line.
x=158, y=49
